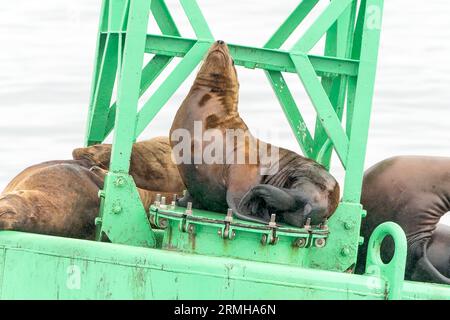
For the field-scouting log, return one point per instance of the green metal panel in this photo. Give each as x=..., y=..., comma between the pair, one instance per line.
x=60, y=268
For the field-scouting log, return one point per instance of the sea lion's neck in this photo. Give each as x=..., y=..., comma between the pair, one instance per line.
x=228, y=97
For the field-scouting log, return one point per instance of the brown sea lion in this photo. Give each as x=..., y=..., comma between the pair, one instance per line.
x=151, y=166
x=296, y=190
x=413, y=191
x=57, y=198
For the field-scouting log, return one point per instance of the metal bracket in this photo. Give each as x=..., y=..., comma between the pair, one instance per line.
x=392, y=273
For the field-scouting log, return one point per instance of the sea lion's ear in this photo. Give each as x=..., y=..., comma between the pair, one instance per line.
x=273, y=197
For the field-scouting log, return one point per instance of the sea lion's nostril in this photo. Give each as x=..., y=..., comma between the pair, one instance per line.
x=220, y=42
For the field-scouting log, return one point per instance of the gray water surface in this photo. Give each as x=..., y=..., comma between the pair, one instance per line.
x=47, y=54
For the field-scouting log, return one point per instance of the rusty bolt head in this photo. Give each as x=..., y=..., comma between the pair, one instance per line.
x=320, y=242
x=300, y=242
x=264, y=239
x=162, y=223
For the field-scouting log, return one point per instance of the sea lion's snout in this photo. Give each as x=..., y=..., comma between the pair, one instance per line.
x=78, y=153
x=220, y=42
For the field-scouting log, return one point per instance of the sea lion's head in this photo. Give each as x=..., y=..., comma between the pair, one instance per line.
x=294, y=205
x=14, y=207
x=218, y=71
x=96, y=155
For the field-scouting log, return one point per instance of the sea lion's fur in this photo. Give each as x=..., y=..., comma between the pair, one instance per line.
x=300, y=189
x=414, y=192
x=58, y=198
x=151, y=165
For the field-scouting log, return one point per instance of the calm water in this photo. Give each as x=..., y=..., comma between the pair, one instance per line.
x=47, y=57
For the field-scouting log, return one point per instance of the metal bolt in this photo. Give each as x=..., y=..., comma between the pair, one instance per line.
x=345, y=251
x=189, y=208
x=320, y=243
x=162, y=222
x=173, y=204
x=117, y=209
x=275, y=240
x=361, y=241
x=301, y=242
x=264, y=239
x=120, y=182
x=229, y=217
x=324, y=225
x=348, y=225
x=158, y=197
x=272, y=222
x=308, y=223
x=191, y=229
x=233, y=235
x=219, y=232
x=163, y=201
x=98, y=221
x=101, y=194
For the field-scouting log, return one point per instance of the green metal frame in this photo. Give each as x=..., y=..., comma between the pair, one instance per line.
x=343, y=77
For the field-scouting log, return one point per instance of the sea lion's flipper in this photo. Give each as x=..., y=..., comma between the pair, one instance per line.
x=243, y=215
x=271, y=196
x=434, y=264
x=182, y=202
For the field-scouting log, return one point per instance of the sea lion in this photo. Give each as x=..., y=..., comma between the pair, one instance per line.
x=413, y=191
x=292, y=187
x=57, y=198
x=151, y=165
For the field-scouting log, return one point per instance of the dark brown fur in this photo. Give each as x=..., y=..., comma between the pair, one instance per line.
x=413, y=191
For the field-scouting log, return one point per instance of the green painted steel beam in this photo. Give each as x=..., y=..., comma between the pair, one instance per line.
x=362, y=104
x=149, y=74
x=43, y=267
x=290, y=24
x=252, y=57
x=326, y=19
x=292, y=113
x=322, y=104
x=197, y=20
x=151, y=108
x=122, y=216
x=339, y=44
x=163, y=18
